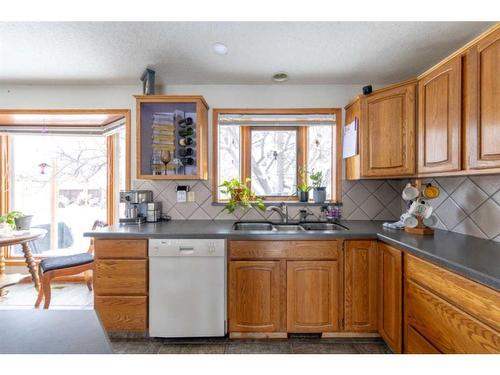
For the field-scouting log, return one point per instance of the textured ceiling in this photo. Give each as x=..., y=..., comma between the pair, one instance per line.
x=181, y=52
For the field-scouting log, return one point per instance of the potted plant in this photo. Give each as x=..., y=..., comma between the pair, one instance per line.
x=318, y=184
x=240, y=195
x=17, y=220
x=303, y=187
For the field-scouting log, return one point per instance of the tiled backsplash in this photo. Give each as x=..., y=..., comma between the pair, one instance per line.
x=364, y=200
x=468, y=205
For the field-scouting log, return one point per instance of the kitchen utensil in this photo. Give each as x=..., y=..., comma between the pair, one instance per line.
x=420, y=208
x=409, y=220
x=430, y=191
x=430, y=221
x=410, y=192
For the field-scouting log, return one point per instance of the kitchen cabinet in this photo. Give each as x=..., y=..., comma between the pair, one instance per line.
x=121, y=284
x=168, y=128
x=482, y=101
x=256, y=295
x=276, y=287
x=360, y=286
x=387, y=129
x=390, y=303
x=451, y=313
x=439, y=118
x=313, y=296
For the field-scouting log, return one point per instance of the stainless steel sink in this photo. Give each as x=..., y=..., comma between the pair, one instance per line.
x=321, y=226
x=253, y=225
x=288, y=228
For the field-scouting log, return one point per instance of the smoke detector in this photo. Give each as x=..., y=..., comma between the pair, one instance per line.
x=280, y=77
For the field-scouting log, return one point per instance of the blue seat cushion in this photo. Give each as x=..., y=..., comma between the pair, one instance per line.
x=57, y=263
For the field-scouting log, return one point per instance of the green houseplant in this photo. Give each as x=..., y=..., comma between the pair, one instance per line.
x=303, y=188
x=12, y=218
x=318, y=183
x=240, y=195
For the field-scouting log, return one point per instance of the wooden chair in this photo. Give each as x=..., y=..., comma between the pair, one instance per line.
x=50, y=268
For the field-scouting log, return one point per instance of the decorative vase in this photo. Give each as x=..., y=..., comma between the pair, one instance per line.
x=303, y=196
x=319, y=194
x=23, y=223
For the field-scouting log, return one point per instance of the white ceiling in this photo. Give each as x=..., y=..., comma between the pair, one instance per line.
x=181, y=52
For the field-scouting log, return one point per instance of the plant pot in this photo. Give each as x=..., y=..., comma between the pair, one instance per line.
x=236, y=195
x=303, y=196
x=319, y=195
x=23, y=223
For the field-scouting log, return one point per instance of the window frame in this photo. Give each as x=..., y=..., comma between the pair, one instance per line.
x=111, y=144
x=302, y=144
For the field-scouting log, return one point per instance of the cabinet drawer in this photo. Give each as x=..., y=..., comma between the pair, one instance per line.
x=476, y=299
x=121, y=248
x=417, y=344
x=123, y=277
x=311, y=250
x=123, y=313
x=446, y=327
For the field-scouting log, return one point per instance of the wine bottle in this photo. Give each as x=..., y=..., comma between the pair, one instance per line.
x=185, y=122
x=188, y=151
x=186, y=141
x=188, y=161
x=186, y=132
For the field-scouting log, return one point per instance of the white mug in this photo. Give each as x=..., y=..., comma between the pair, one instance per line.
x=409, y=220
x=410, y=192
x=419, y=208
x=430, y=221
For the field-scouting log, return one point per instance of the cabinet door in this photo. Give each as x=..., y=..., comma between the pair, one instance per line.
x=388, y=132
x=256, y=296
x=361, y=284
x=483, y=103
x=390, y=297
x=439, y=118
x=313, y=296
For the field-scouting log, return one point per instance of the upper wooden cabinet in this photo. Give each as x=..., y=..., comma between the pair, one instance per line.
x=482, y=113
x=360, y=286
x=458, y=119
x=172, y=137
x=387, y=129
x=439, y=118
x=387, y=133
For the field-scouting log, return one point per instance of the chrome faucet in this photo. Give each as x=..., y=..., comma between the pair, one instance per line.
x=282, y=210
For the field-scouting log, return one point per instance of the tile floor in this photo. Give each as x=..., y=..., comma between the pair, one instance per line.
x=77, y=296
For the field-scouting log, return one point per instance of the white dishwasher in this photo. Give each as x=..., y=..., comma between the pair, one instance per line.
x=187, y=287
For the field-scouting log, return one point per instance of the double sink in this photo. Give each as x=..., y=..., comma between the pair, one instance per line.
x=267, y=226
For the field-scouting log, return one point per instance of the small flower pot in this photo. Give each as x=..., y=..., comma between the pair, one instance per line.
x=23, y=223
x=319, y=195
x=303, y=196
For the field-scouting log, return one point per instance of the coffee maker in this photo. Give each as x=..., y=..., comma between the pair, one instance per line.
x=137, y=207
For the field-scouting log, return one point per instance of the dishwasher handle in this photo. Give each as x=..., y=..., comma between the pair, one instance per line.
x=186, y=250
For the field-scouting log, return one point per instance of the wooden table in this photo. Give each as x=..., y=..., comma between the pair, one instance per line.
x=23, y=240
x=52, y=332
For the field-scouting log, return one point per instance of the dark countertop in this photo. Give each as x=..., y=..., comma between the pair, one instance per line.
x=471, y=257
x=52, y=332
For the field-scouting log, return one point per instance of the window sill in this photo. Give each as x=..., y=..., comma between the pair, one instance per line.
x=288, y=203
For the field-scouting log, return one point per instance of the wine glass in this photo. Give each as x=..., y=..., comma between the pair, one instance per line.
x=166, y=157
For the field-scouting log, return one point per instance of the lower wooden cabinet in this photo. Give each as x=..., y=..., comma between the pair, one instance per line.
x=123, y=313
x=121, y=284
x=452, y=314
x=313, y=296
x=284, y=286
x=417, y=344
x=390, y=312
x=360, y=286
x=256, y=296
